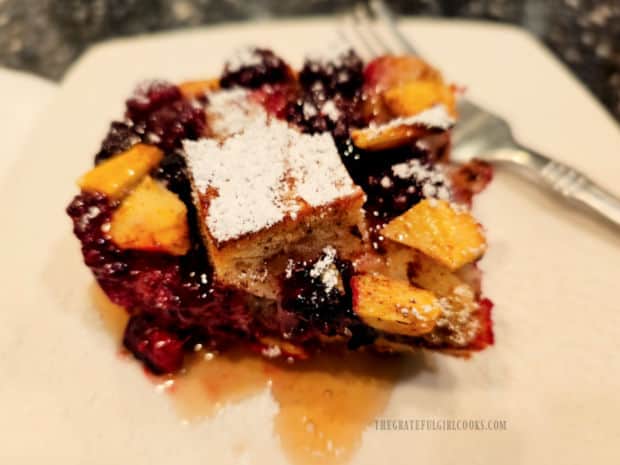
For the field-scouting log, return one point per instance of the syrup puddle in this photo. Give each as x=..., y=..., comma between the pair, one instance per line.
x=114, y=317
x=325, y=403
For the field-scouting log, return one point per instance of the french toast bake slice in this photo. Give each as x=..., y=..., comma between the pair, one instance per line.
x=288, y=212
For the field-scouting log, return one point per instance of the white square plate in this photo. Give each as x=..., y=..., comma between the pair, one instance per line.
x=553, y=374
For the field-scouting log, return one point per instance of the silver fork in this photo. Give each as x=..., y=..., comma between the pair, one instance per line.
x=479, y=133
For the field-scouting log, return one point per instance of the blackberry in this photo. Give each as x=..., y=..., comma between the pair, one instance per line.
x=330, y=97
x=120, y=137
x=173, y=172
x=388, y=194
x=161, y=116
x=325, y=79
x=253, y=68
x=315, y=305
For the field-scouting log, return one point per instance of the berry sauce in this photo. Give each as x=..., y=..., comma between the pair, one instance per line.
x=160, y=350
x=173, y=294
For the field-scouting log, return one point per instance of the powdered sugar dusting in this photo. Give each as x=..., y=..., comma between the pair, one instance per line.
x=242, y=58
x=319, y=174
x=331, y=53
x=266, y=172
x=330, y=110
x=325, y=268
x=230, y=111
x=272, y=351
x=309, y=110
x=140, y=93
x=436, y=117
x=435, y=184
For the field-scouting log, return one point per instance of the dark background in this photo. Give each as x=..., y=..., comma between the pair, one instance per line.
x=46, y=36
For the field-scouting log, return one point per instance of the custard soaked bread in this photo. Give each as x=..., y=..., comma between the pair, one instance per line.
x=269, y=192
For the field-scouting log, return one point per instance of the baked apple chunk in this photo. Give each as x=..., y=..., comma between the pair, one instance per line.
x=151, y=218
x=401, y=130
x=116, y=176
x=445, y=232
x=393, y=306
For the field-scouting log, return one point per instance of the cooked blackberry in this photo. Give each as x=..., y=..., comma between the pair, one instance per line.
x=253, y=68
x=393, y=181
x=173, y=171
x=139, y=281
x=161, y=116
x=317, y=294
x=341, y=75
x=330, y=95
x=119, y=138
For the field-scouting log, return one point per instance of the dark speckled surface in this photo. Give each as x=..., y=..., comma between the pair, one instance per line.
x=46, y=36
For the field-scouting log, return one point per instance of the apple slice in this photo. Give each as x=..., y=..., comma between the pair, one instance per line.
x=389, y=71
x=444, y=232
x=394, y=306
x=413, y=97
x=403, y=130
x=116, y=176
x=386, y=72
x=151, y=218
x=197, y=89
x=378, y=138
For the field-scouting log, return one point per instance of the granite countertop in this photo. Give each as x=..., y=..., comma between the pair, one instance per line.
x=46, y=36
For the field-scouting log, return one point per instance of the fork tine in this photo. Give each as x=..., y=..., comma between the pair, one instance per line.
x=358, y=31
x=359, y=24
x=368, y=22
x=346, y=32
x=386, y=16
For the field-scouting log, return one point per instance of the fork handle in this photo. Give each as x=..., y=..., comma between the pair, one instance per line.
x=571, y=184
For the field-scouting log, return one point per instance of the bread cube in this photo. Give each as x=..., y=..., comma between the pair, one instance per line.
x=269, y=192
